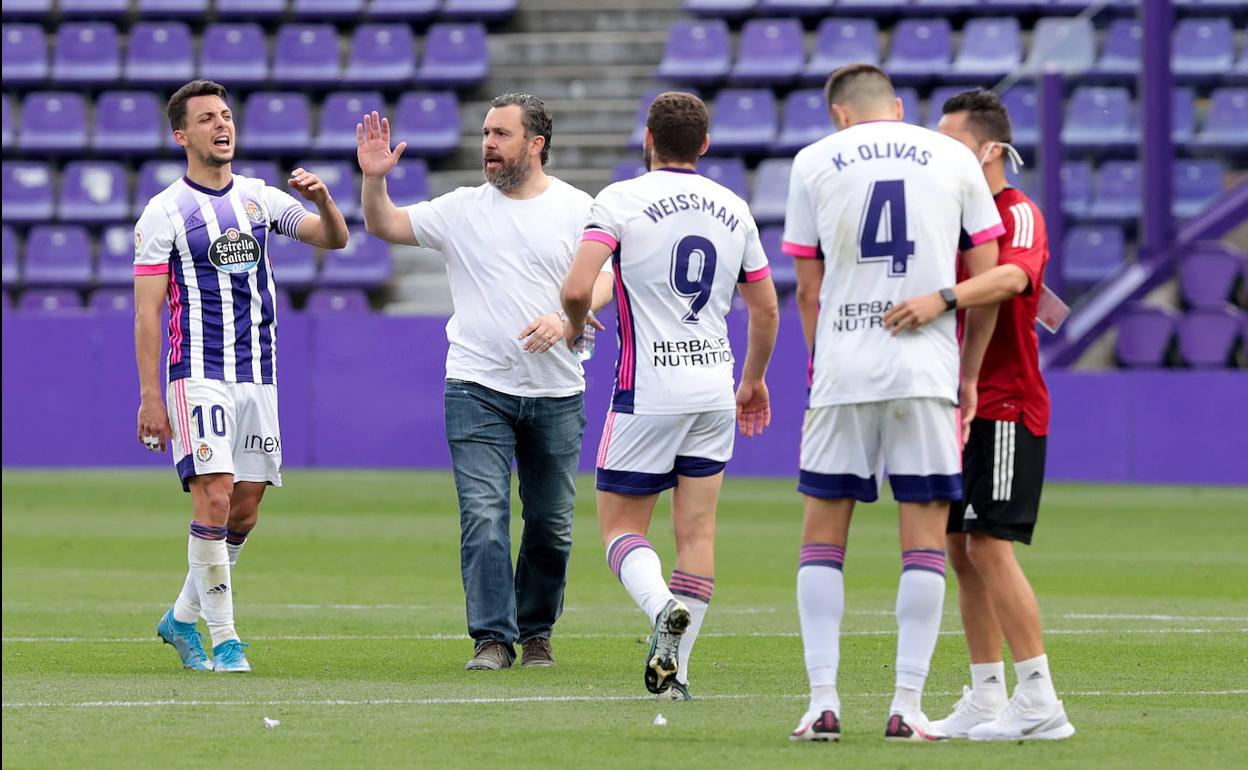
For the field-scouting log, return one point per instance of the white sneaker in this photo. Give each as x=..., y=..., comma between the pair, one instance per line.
x=966, y=714
x=912, y=726
x=817, y=725
x=1024, y=721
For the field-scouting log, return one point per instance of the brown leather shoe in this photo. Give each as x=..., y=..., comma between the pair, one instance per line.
x=537, y=653
x=490, y=656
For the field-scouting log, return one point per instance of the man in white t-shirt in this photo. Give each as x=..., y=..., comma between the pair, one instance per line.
x=512, y=392
x=876, y=213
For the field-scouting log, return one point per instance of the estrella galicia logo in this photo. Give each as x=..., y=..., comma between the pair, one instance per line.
x=234, y=252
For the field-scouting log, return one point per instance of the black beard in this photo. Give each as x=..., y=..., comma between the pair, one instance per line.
x=510, y=175
x=213, y=160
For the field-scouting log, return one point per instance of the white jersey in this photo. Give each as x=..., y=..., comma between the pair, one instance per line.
x=887, y=205
x=213, y=244
x=681, y=243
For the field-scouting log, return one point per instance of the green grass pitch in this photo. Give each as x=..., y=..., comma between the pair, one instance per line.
x=349, y=594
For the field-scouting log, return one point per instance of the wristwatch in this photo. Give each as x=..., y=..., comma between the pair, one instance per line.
x=950, y=298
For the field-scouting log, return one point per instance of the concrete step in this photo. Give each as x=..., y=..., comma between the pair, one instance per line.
x=573, y=81
x=577, y=48
x=572, y=116
x=577, y=15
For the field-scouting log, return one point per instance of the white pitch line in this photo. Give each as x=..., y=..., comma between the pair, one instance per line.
x=557, y=699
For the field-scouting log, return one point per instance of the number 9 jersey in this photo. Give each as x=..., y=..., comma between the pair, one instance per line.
x=886, y=205
x=681, y=242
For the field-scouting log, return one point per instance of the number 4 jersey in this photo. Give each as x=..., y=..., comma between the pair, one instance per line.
x=681, y=243
x=886, y=205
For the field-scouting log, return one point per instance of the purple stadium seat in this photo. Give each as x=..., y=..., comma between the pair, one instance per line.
x=1021, y=102
x=53, y=122
x=93, y=10
x=51, y=301
x=112, y=301
x=340, y=114
x=337, y=301
x=783, y=269
x=1204, y=49
x=263, y=169
x=235, y=54
x=408, y=182
x=1196, y=184
x=771, y=190
x=25, y=60
x=806, y=120
x=1120, y=58
x=1097, y=118
x=116, y=260
x=720, y=9
x=381, y=54
x=364, y=263
x=478, y=10
x=276, y=121
x=93, y=191
x=160, y=54
x=306, y=55
x=936, y=102
x=87, y=53
x=991, y=47
x=8, y=250
x=1145, y=336
x=697, y=52
x=627, y=169
x=1068, y=45
x=128, y=122
x=1092, y=254
x=294, y=263
x=407, y=11
x=771, y=52
x=173, y=9
x=1117, y=192
x=910, y=104
x=1207, y=337
x=57, y=255
x=729, y=172
x=10, y=123
x=1182, y=115
x=1076, y=188
x=1227, y=123
x=921, y=50
x=842, y=41
x=250, y=9
x=743, y=120
x=456, y=56
x=27, y=192
x=341, y=179
x=1208, y=276
x=428, y=121
x=153, y=177
x=316, y=10
x=27, y=9
x=643, y=108
x=795, y=7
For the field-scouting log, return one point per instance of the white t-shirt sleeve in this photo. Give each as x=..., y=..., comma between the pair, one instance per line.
x=980, y=219
x=153, y=242
x=754, y=266
x=801, y=229
x=606, y=220
x=285, y=213
x=431, y=220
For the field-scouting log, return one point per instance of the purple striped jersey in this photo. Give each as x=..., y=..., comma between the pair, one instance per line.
x=213, y=244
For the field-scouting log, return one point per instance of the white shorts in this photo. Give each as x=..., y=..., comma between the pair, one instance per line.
x=916, y=439
x=642, y=454
x=225, y=427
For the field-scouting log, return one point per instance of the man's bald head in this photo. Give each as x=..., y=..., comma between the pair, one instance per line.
x=858, y=92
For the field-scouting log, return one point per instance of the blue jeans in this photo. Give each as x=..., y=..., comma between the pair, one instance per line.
x=486, y=431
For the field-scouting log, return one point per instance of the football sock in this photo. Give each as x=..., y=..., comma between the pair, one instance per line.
x=820, y=606
x=695, y=591
x=1034, y=679
x=234, y=542
x=210, y=566
x=920, y=601
x=186, y=608
x=635, y=563
x=988, y=684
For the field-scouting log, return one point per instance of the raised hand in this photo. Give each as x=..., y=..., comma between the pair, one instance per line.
x=373, y=137
x=309, y=186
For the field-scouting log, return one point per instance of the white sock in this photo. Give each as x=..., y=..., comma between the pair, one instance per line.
x=1034, y=679
x=920, y=601
x=186, y=608
x=210, y=566
x=988, y=684
x=635, y=562
x=234, y=543
x=820, y=607
x=695, y=591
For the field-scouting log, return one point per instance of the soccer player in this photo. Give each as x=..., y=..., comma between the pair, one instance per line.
x=513, y=394
x=875, y=214
x=678, y=243
x=202, y=246
x=1003, y=463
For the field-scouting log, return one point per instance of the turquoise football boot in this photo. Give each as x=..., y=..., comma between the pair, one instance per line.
x=228, y=657
x=184, y=638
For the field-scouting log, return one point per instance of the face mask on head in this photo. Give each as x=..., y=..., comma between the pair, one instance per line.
x=1016, y=160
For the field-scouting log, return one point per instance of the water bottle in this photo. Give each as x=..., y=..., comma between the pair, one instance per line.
x=583, y=346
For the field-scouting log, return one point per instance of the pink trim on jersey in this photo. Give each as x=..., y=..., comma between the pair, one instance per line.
x=799, y=251
x=605, y=443
x=627, y=353
x=601, y=237
x=151, y=269
x=996, y=231
x=757, y=275
x=175, y=322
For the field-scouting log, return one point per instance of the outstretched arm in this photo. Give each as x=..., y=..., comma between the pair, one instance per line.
x=381, y=217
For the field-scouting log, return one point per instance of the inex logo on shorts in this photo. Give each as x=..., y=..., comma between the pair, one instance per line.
x=234, y=252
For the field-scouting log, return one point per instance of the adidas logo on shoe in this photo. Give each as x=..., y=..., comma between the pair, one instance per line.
x=220, y=588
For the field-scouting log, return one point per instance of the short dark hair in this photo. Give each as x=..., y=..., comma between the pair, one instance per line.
x=854, y=81
x=985, y=115
x=176, y=108
x=678, y=122
x=533, y=113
